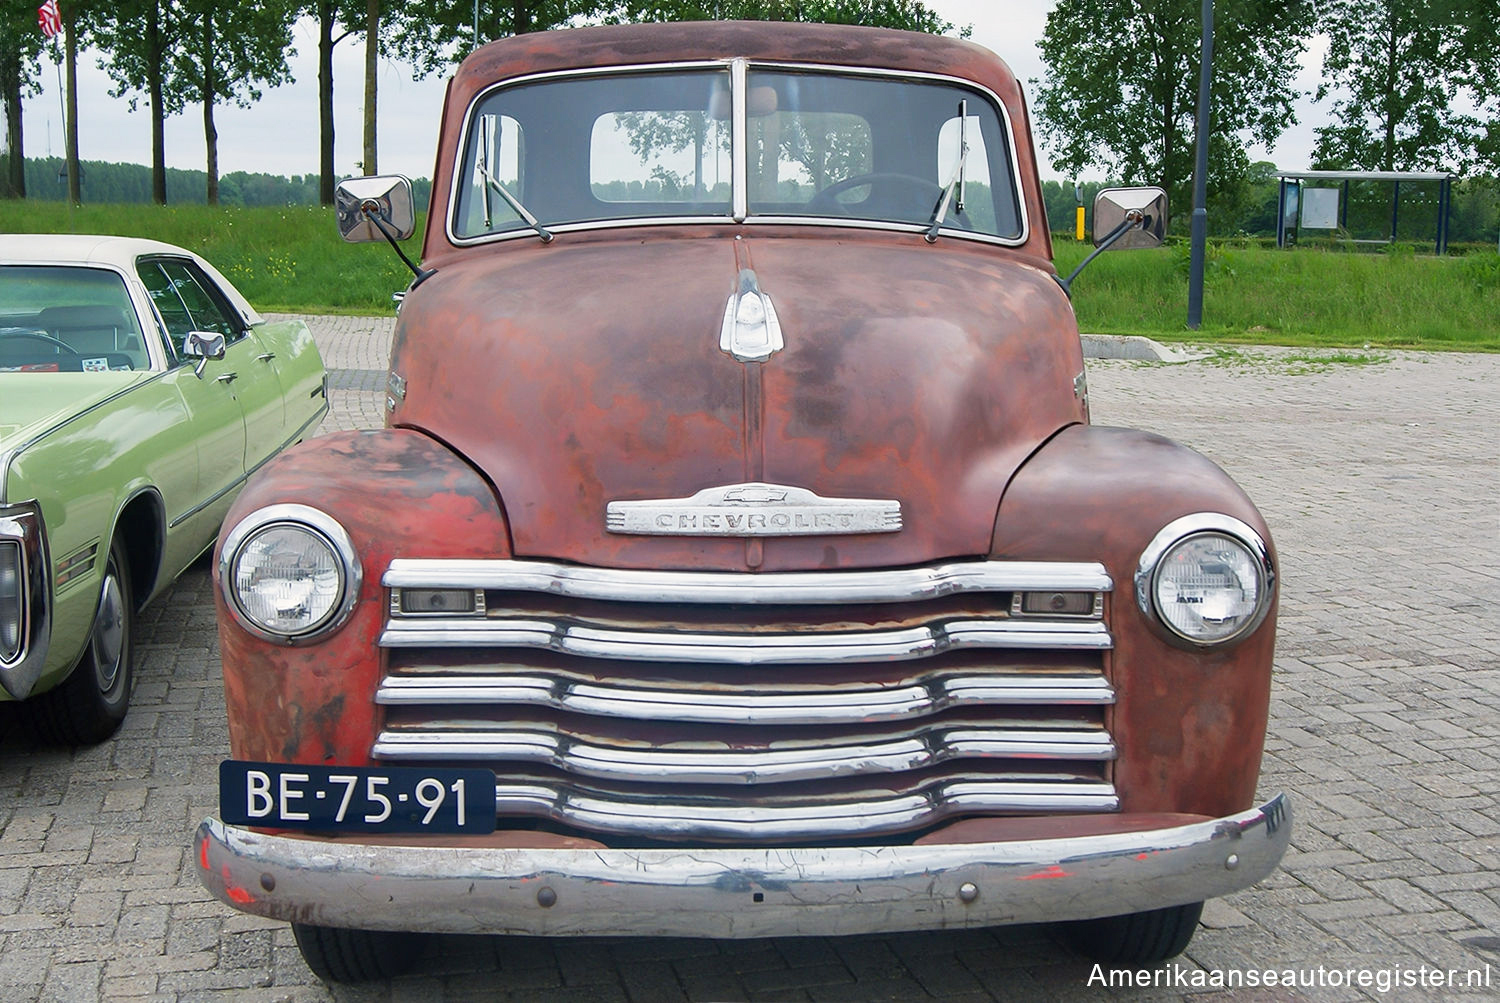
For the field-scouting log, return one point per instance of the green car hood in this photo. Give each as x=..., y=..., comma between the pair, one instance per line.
x=33, y=403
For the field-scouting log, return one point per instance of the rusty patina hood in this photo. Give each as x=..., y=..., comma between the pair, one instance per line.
x=576, y=377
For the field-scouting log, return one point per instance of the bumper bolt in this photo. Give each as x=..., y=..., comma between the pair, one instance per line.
x=968, y=891
x=1232, y=862
x=268, y=882
x=546, y=898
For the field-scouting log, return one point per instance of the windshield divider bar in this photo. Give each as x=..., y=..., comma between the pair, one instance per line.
x=739, y=137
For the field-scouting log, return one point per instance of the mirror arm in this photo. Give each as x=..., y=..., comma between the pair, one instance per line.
x=1134, y=218
x=370, y=209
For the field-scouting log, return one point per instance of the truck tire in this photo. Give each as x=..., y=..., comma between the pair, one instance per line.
x=1135, y=940
x=339, y=955
x=90, y=704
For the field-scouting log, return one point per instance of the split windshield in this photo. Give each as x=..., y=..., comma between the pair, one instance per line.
x=660, y=145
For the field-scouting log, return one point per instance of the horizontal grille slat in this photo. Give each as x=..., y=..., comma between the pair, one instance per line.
x=779, y=706
x=855, y=812
x=766, y=701
x=579, y=638
x=717, y=761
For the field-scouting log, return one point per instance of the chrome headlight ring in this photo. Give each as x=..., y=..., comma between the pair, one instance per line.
x=1207, y=579
x=289, y=574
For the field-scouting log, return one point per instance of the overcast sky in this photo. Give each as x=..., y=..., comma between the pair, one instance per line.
x=279, y=135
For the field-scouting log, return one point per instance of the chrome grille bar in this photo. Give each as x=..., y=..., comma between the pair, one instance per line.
x=578, y=638
x=707, y=701
x=862, y=813
x=715, y=762
x=796, y=588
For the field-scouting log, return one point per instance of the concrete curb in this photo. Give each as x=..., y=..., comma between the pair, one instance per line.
x=1126, y=346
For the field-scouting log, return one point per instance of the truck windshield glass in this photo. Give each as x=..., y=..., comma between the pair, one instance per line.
x=598, y=148
x=875, y=148
x=659, y=145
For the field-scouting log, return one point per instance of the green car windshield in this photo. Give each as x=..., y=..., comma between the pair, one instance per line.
x=61, y=319
x=837, y=147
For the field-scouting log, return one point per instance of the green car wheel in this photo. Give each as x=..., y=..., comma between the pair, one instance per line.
x=89, y=706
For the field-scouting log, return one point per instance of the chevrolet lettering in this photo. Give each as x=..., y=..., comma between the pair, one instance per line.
x=738, y=558
x=754, y=510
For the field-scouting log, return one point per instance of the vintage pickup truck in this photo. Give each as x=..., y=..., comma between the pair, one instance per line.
x=738, y=558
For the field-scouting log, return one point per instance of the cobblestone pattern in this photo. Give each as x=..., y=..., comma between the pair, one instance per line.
x=1380, y=481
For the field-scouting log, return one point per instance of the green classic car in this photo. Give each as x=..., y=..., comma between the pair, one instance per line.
x=138, y=391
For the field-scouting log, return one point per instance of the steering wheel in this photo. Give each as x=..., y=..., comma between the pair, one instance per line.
x=827, y=199
x=46, y=339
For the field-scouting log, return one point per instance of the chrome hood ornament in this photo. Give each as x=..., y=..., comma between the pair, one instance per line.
x=751, y=332
x=753, y=509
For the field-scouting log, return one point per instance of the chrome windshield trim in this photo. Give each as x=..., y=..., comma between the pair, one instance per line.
x=579, y=638
x=884, y=751
x=21, y=526
x=918, y=695
x=739, y=69
x=776, y=588
x=707, y=891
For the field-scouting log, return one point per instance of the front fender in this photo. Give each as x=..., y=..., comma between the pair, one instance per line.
x=1189, y=724
x=397, y=493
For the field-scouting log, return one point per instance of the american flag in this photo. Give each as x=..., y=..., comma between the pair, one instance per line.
x=48, y=17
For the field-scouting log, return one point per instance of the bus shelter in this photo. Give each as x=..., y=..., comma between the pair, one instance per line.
x=1320, y=200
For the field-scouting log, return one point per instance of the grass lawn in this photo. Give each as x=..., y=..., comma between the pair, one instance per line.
x=291, y=259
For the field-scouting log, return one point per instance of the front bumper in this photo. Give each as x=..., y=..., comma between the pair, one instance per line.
x=737, y=892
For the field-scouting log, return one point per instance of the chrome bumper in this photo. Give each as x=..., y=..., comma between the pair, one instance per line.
x=737, y=892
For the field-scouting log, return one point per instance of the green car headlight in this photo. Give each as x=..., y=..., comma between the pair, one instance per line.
x=289, y=573
x=1207, y=578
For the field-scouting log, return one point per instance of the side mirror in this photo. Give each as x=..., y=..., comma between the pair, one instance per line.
x=1127, y=217
x=203, y=345
x=1146, y=208
x=377, y=208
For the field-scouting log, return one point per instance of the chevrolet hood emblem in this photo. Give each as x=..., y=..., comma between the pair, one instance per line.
x=753, y=509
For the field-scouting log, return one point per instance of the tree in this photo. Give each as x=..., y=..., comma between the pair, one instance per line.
x=910, y=15
x=20, y=50
x=372, y=82
x=1395, y=68
x=228, y=52
x=1121, y=90
x=137, y=37
x=1479, y=41
x=435, y=35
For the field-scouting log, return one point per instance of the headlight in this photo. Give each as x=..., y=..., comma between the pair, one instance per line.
x=289, y=573
x=1207, y=578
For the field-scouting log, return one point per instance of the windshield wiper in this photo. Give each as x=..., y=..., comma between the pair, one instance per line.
x=515, y=203
x=956, y=182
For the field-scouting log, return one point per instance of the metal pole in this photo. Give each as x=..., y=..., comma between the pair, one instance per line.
x=1200, y=174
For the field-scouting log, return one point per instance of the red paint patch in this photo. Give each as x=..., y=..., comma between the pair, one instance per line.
x=1054, y=871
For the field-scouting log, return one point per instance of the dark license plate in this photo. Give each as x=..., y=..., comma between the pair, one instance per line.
x=356, y=799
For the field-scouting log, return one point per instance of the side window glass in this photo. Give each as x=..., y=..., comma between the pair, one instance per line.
x=168, y=304
x=194, y=290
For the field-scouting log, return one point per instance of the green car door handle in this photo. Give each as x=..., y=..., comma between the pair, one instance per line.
x=226, y=377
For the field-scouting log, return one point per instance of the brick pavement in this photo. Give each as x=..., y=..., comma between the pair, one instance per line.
x=1380, y=481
